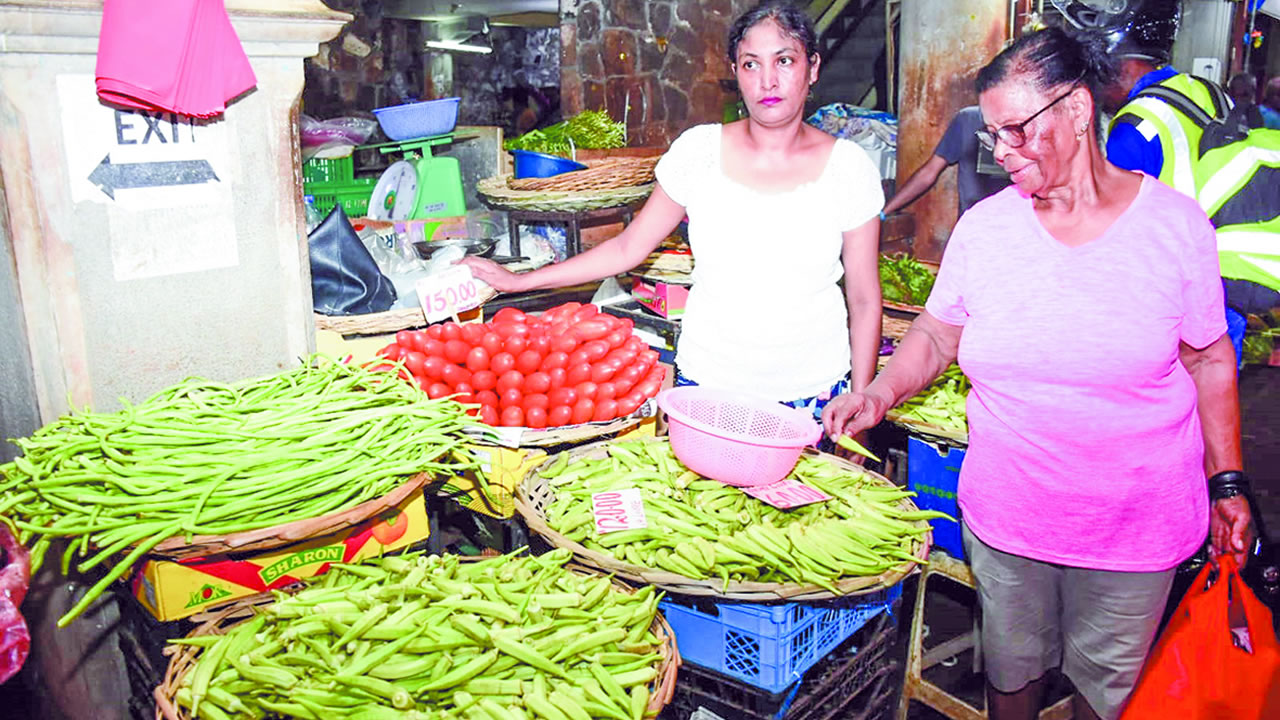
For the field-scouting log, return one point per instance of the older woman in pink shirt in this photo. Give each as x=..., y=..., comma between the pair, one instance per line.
x=1084, y=303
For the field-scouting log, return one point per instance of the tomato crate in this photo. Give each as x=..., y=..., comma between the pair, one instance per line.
x=856, y=681
x=768, y=646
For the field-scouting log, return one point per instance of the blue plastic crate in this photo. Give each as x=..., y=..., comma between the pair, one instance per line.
x=769, y=646
x=933, y=472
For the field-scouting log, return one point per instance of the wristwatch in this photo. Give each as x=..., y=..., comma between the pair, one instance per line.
x=1228, y=484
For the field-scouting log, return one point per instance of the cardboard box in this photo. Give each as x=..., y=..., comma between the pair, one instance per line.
x=663, y=298
x=172, y=590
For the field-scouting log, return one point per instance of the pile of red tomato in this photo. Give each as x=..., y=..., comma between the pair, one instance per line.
x=572, y=364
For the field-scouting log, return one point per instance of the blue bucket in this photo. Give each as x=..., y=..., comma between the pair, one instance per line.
x=531, y=164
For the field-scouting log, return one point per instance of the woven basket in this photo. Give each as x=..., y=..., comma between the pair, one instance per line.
x=577, y=434
x=183, y=657
x=495, y=192
x=599, y=175
x=893, y=327
x=383, y=322
x=179, y=547
x=918, y=427
x=535, y=494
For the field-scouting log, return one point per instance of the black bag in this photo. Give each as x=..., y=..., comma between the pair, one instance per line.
x=345, y=280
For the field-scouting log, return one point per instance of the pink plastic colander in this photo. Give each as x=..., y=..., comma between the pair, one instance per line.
x=736, y=439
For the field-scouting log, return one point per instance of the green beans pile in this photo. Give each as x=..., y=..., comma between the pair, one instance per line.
x=204, y=458
x=942, y=404
x=414, y=636
x=704, y=529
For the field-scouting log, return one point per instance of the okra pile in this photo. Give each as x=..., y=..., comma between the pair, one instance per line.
x=942, y=404
x=704, y=529
x=206, y=458
x=416, y=636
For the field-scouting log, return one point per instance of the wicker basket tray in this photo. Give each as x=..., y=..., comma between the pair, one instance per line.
x=575, y=434
x=383, y=322
x=177, y=548
x=600, y=175
x=495, y=192
x=183, y=658
x=535, y=494
x=893, y=327
x=928, y=429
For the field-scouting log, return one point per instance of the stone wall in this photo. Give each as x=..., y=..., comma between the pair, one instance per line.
x=667, y=56
x=373, y=63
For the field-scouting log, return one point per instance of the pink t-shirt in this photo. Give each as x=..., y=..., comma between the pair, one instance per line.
x=1085, y=447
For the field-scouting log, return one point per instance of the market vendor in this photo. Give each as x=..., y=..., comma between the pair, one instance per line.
x=778, y=211
x=1085, y=307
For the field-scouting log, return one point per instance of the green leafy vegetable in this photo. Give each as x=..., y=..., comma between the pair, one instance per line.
x=592, y=129
x=904, y=279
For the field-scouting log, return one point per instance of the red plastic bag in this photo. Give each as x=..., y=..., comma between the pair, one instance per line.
x=15, y=577
x=1218, y=659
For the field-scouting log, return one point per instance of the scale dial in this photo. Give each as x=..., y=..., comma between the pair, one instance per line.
x=395, y=197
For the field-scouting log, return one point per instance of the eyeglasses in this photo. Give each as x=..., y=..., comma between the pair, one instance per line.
x=1015, y=135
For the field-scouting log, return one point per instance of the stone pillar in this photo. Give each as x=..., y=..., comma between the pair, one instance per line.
x=943, y=45
x=120, y=291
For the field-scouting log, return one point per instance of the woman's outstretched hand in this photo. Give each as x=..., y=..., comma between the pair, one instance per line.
x=851, y=413
x=493, y=274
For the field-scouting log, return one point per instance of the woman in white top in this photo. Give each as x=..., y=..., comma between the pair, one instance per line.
x=778, y=211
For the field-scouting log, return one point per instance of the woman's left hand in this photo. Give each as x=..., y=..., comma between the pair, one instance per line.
x=1231, y=528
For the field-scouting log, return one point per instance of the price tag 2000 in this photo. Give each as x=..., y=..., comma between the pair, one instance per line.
x=618, y=510
x=449, y=292
x=786, y=494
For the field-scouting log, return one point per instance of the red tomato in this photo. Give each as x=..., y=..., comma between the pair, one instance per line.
x=455, y=351
x=560, y=312
x=559, y=416
x=617, y=338
x=454, y=374
x=404, y=339
x=540, y=343
x=465, y=389
x=657, y=373
x=584, y=312
x=595, y=349
x=628, y=405
x=648, y=388
x=434, y=367
x=392, y=352
x=492, y=343
x=433, y=347
x=510, y=398
x=578, y=373
x=601, y=372
x=510, y=379
x=589, y=330
x=537, y=382
x=528, y=361
x=632, y=398
x=487, y=397
x=609, y=320
x=563, y=396
x=558, y=377
x=537, y=400
x=565, y=343
x=606, y=391
x=450, y=331
x=419, y=340
x=508, y=330
x=535, y=417
x=423, y=383
x=502, y=362
x=509, y=314
x=578, y=357
x=473, y=333
x=477, y=359
x=582, y=411
x=626, y=323
x=586, y=390
x=437, y=390
x=414, y=361
x=644, y=364
x=489, y=415
x=650, y=355
x=558, y=329
x=484, y=380
x=464, y=398
x=605, y=410
x=626, y=378
x=515, y=344
x=435, y=332
x=512, y=417
x=554, y=359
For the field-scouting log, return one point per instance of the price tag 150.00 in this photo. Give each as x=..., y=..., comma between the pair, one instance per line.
x=786, y=494
x=618, y=510
x=449, y=292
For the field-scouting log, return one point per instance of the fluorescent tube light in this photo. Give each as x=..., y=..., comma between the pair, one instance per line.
x=459, y=47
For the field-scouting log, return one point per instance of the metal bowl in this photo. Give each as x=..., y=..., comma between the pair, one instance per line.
x=482, y=247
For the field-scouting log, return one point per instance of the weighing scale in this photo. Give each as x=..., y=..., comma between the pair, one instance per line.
x=419, y=186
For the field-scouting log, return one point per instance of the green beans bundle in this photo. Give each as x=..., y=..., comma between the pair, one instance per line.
x=942, y=404
x=704, y=529
x=214, y=459
x=418, y=636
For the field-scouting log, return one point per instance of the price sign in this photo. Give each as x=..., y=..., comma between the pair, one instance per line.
x=618, y=510
x=449, y=292
x=786, y=494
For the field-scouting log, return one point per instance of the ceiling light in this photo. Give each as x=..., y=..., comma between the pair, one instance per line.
x=458, y=47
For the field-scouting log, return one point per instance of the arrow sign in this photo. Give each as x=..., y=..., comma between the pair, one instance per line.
x=110, y=178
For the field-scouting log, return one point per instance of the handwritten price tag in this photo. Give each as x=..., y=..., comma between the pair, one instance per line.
x=449, y=292
x=618, y=510
x=786, y=494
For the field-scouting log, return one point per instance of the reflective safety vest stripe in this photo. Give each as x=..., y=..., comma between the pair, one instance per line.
x=1179, y=136
x=1240, y=192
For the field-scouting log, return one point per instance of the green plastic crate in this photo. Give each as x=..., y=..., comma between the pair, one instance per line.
x=325, y=170
x=353, y=195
